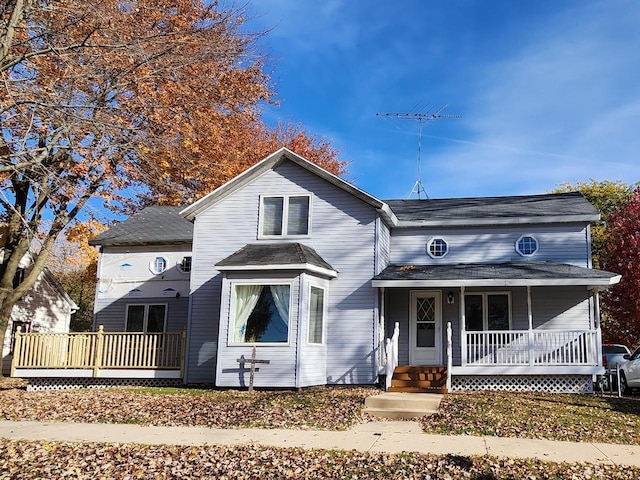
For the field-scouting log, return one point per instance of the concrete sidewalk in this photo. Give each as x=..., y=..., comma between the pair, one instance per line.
x=390, y=436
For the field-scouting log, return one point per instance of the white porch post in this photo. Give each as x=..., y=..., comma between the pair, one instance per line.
x=530, y=317
x=381, y=333
x=463, y=331
x=596, y=323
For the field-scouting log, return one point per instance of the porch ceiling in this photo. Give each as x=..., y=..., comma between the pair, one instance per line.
x=509, y=274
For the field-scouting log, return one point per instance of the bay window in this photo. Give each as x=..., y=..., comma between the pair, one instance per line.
x=260, y=314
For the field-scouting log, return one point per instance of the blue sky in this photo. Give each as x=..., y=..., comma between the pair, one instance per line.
x=549, y=91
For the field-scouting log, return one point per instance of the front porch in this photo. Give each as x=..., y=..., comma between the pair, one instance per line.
x=504, y=326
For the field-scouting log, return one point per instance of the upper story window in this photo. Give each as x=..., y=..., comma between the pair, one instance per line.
x=526, y=245
x=437, y=248
x=185, y=265
x=284, y=216
x=158, y=265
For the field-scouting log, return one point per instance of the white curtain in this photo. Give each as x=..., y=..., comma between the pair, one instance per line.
x=280, y=294
x=246, y=298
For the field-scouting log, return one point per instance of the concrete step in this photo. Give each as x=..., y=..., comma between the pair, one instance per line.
x=397, y=405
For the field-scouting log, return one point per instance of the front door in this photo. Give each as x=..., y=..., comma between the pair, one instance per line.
x=425, y=328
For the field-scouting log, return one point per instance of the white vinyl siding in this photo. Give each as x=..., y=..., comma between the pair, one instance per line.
x=562, y=243
x=334, y=216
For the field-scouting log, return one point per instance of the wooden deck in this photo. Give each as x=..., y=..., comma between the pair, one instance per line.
x=99, y=354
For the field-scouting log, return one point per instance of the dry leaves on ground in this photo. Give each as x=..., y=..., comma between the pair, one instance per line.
x=27, y=460
x=318, y=408
x=577, y=418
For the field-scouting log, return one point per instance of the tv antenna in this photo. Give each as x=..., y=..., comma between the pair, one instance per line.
x=418, y=187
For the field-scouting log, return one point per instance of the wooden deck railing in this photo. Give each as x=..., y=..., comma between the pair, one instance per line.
x=99, y=350
x=532, y=347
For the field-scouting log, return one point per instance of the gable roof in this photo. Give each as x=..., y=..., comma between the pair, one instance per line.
x=546, y=208
x=508, y=274
x=270, y=163
x=277, y=256
x=153, y=225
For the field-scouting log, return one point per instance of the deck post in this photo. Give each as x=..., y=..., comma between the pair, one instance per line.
x=17, y=340
x=530, y=317
x=97, y=361
x=183, y=352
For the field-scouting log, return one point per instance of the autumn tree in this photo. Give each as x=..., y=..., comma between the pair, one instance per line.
x=607, y=196
x=87, y=86
x=622, y=255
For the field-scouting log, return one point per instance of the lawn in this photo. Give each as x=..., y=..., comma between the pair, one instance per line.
x=577, y=418
x=28, y=460
x=560, y=417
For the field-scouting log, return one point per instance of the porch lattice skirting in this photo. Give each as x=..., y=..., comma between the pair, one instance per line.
x=36, y=384
x=524, y=383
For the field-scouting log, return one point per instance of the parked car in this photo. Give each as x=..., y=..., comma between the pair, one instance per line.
x=630, y=372
x=612, y=356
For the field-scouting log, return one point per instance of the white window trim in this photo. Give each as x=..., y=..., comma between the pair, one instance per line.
x=231, y=315
x=145, y=320
x=485, y=309
x=179, y=265
x=430, y=242
x=285, y=216
x=324, y=313
x=152, y=265
x=527, y=254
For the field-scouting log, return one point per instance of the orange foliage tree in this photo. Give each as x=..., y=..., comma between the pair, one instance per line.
x=100, y=97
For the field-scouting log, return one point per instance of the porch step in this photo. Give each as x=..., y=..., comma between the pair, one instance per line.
x=416, y=379
x=402, y=405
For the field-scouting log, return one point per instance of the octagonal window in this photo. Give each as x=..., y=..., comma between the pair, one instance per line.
x=437, y=248
x=527, y=245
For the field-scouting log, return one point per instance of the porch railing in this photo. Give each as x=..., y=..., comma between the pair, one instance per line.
x=532, y=347
x=391, y=355
x=99, y=350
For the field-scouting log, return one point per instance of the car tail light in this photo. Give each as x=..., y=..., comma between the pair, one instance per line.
x=604, y=361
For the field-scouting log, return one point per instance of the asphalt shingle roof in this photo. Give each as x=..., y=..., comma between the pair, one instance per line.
x=572, y=203
x=263, y=254
x=493, y=271
x=153, y=225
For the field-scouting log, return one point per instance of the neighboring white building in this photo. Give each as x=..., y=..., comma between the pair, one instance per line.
x=45, y=308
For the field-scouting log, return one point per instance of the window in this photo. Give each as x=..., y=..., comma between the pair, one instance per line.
x=158, y=265
x=526, y=245
x=285, y=216
x=185, y=265
x=150, y=318
x=437, y=247
x=487, y=311
x=316, y=314
x=260, y=314
x=18, y=278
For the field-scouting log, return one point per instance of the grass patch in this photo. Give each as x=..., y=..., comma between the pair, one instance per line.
x=581, y=418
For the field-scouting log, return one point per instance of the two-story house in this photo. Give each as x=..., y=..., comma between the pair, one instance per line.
x=316, y=273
